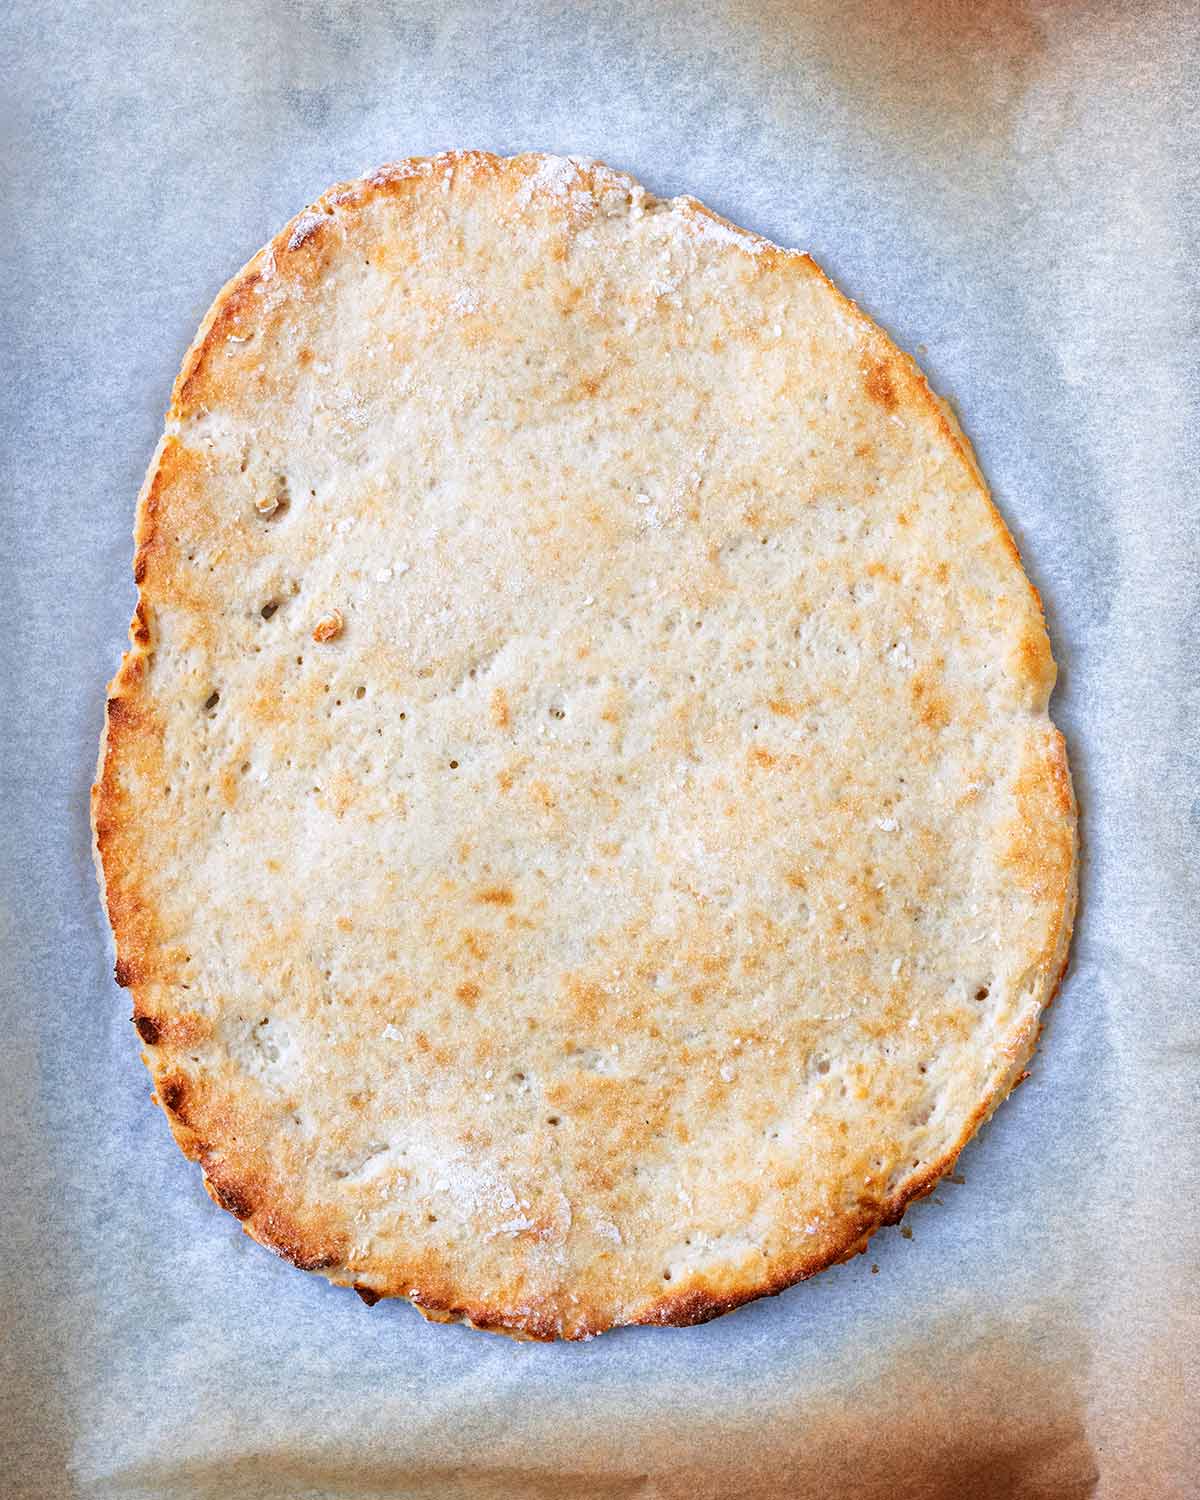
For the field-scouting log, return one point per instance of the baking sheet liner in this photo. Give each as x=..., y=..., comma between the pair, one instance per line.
x=1011, y=190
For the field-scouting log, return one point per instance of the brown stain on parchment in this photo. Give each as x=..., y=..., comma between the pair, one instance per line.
x=956, y=1416
x=922, y=69
x=938, y=83
x=989, y=1415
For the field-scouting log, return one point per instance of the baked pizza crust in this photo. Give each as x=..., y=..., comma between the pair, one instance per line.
x=578, y=815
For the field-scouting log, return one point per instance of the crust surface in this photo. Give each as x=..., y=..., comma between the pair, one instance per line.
x=579, y=814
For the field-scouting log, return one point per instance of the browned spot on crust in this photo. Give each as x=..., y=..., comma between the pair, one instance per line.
x=501, y=716
x=1041, y=848
x=758, y=756
x=477, y=944
x=571, y=296
x=148, y=1029
x=328, y=627
x=139, y=629
x=1034, y=663
x=879, y=386
x=232, y=1199
x=172, y=1094
x=783, y=708
x=367, y=1295
x=1059, y=775
x=930, y=704
x=306, y=1260
x=306, y=228
x=588, y=1000
x=125, y=973
x=314, y=1250
x=496, y=895
x=588, y=385
x=688, y=1309
x=177, y=474
x=229, y=783
x=468, y=992
x=182, y=1028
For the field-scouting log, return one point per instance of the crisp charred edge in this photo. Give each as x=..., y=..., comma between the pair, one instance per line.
x=250, y=1203
x=232, y=1199
x=247, y=1196
x=300, y=237
x=538, y=1325
x=172, y=1093
x=122, y=720
x=288, y=1244
x=146, y=1027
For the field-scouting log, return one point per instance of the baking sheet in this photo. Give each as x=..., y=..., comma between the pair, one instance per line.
x=1011, y=190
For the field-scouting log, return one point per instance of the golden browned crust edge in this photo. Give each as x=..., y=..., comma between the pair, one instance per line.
x=270, y=1226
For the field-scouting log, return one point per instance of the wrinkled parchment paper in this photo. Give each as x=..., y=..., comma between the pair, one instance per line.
x=1011, y=190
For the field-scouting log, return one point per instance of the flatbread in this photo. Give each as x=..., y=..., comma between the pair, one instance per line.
x=579, y=814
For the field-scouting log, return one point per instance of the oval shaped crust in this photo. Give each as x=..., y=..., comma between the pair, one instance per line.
x=578, y=813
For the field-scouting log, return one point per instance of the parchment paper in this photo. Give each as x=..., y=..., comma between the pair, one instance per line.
x=1011, y=190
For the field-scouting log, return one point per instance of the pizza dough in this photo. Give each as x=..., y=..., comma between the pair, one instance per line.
x=579, y=814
